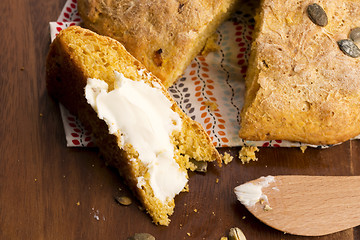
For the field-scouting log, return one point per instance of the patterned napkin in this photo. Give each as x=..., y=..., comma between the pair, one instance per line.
x=211, y=90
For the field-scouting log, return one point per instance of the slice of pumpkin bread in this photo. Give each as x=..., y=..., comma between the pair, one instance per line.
x=138, y=127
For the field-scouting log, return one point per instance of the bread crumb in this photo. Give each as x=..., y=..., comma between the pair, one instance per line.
x=96, y=214
x=226, y=158
x=243, y=217
x=78, y=203
x=35, y=180
x=213, y=213
x=189, y=234
x=303, y=148
x=217, y=180
x=223, y=238
x=267, y=208
x=247, y=153
x=41, y=115
x=213, y=105
x=195, y=210
x=192, y=166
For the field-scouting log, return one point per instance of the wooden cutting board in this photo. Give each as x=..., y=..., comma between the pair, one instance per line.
x=49, y=191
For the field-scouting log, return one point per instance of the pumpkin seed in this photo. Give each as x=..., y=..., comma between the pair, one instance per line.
x=317, y=14
x=349, y=48
x=355, y=35
x=123, y=200
x=142, y=236
x=236, y=234
x=200, y=165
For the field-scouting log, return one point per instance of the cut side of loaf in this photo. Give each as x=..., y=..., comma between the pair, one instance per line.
x=164, y=35
x=300, y=86
x=95, y=78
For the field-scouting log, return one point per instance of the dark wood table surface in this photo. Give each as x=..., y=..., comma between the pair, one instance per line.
x=50, y=191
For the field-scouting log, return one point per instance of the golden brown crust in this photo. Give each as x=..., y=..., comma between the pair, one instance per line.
x=78, y=54
x=164, y=35
x=300, y=85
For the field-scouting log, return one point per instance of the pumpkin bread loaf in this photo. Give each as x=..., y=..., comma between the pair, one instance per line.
x=302, y=84
x=164, y=35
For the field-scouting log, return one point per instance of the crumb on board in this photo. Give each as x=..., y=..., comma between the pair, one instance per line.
x=212, y=105
x=96, y=214
x=303, y=148
x=217, y=180
x=189, y=234
x=247, y=154
x=78, y=203
x=195, y=210
x=226, y=158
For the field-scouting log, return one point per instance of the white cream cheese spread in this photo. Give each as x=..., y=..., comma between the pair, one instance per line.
x=249, y=193
x=143, y=116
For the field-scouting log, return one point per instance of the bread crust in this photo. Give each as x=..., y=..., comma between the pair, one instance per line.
x=300, y=85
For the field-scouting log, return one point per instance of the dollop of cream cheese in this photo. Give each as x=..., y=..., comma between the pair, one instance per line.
x=249, y=193
x=143, y=116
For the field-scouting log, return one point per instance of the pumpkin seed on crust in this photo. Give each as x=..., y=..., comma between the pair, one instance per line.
x=317, y=14
x=355, y=35
x=349, y=48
